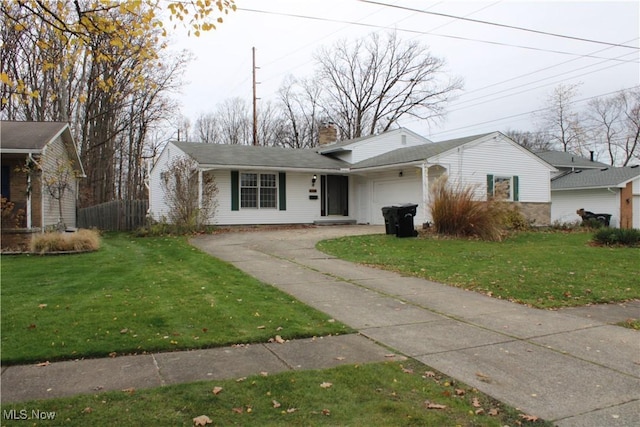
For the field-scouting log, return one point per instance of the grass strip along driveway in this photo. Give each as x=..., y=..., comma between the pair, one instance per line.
x=140, y=295
x=542, y=269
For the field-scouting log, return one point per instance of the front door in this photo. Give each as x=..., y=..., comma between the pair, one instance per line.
x=334, y=194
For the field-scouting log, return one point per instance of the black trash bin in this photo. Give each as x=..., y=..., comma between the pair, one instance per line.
x=405, y=214
x=390, y=214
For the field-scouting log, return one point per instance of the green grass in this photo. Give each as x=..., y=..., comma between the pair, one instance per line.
x=543, y=269
x=368, y=395
x=140, y=295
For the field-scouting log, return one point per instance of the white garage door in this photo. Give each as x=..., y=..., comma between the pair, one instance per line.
x=392, y=192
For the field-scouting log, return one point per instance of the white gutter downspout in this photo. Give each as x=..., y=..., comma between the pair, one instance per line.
x=29, y=194
x=425, y=190
x=200, y=189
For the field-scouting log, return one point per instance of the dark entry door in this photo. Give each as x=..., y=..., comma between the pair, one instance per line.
x=335, y=195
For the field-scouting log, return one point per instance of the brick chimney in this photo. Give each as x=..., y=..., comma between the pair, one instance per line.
x=327, y=133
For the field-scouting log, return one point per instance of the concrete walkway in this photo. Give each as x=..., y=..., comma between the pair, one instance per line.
x=564, y=367
x=572, y=367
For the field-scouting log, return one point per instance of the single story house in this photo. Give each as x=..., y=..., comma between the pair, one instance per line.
x=583, y=183
x=30, y=151
x=350, y=181
x=608, y=190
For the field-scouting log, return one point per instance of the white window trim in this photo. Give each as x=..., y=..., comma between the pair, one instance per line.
x=258, y=188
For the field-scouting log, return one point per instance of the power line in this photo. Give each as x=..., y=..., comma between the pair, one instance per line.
x=513, y=27
x=316, y=18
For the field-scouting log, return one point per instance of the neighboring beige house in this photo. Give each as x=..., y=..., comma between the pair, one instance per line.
x=44, y=146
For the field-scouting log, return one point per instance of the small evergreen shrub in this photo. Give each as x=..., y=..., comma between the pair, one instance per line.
x=617, y=236
x=80, y=241
x=514, y=220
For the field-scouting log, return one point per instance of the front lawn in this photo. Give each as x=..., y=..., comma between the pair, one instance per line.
x=380, y=394
x=140, y=295
x=543, y=269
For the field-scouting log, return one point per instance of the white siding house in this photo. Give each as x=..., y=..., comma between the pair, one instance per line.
x=610, y=190
x=351, y=181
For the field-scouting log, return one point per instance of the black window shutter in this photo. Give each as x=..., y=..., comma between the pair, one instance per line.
x=516, y=188
x=235, y=191
x=282, y=191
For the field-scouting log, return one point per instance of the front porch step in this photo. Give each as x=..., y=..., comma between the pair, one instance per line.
x=335, y=221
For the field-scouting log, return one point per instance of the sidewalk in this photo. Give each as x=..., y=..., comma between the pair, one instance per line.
x=571, y=366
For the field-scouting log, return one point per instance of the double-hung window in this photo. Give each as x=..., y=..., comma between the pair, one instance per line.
x=503, y=187
x=258, y=190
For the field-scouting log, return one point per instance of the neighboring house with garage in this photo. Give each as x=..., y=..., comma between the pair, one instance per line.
x=608, y=190
x=31, y=151
x=350, y=181
x=582, y=183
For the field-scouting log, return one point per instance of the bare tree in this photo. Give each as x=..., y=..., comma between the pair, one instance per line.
x=235, y=121
x=300, y=105
x=631, y=141
x=207, y=129
x=561, y=121
x=533, y=141
x=371, y=83
x=191, y=203
x=615, y=125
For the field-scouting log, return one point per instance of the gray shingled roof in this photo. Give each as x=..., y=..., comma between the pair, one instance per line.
x=416, y=153
x=248, y=155
x=595, y=178
x=562, y=159
x=28, y=136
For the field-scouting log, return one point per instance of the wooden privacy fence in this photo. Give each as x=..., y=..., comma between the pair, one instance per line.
x=117, y=215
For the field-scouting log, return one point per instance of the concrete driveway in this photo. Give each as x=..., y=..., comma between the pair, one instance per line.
x=565, y=368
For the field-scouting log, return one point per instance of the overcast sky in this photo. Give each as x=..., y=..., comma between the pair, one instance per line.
x=507, y=73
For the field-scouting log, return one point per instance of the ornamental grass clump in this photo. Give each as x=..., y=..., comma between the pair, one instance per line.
x=455, y=211
x=79, y=241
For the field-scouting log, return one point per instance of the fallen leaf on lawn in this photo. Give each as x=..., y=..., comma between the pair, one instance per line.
x=113, y=354
x=326, y=412
x=238, y=410
x=475, y=402
x=479, y=411
x=279, y=339
x=261, y=327
x=87, y=410
x=264, y=373
x=42, y=305
x=291, y=410
x=124, y=331
x=276, y=404
x=532, y=418
x=460, y=392
x=279, y=328
x=201, y=420
x=47, y=363
x=431, y=405
x=31, y=326
x=407, y=371
x=239, y=380
x=326, y=385
x=493, y=412
x=216, y=390
x=129, y=390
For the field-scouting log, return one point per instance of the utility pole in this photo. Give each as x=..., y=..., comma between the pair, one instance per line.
x=255, y=99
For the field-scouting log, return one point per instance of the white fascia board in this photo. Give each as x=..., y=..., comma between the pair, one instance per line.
x=20, y=151
x=416, y=163
x=208, y=167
